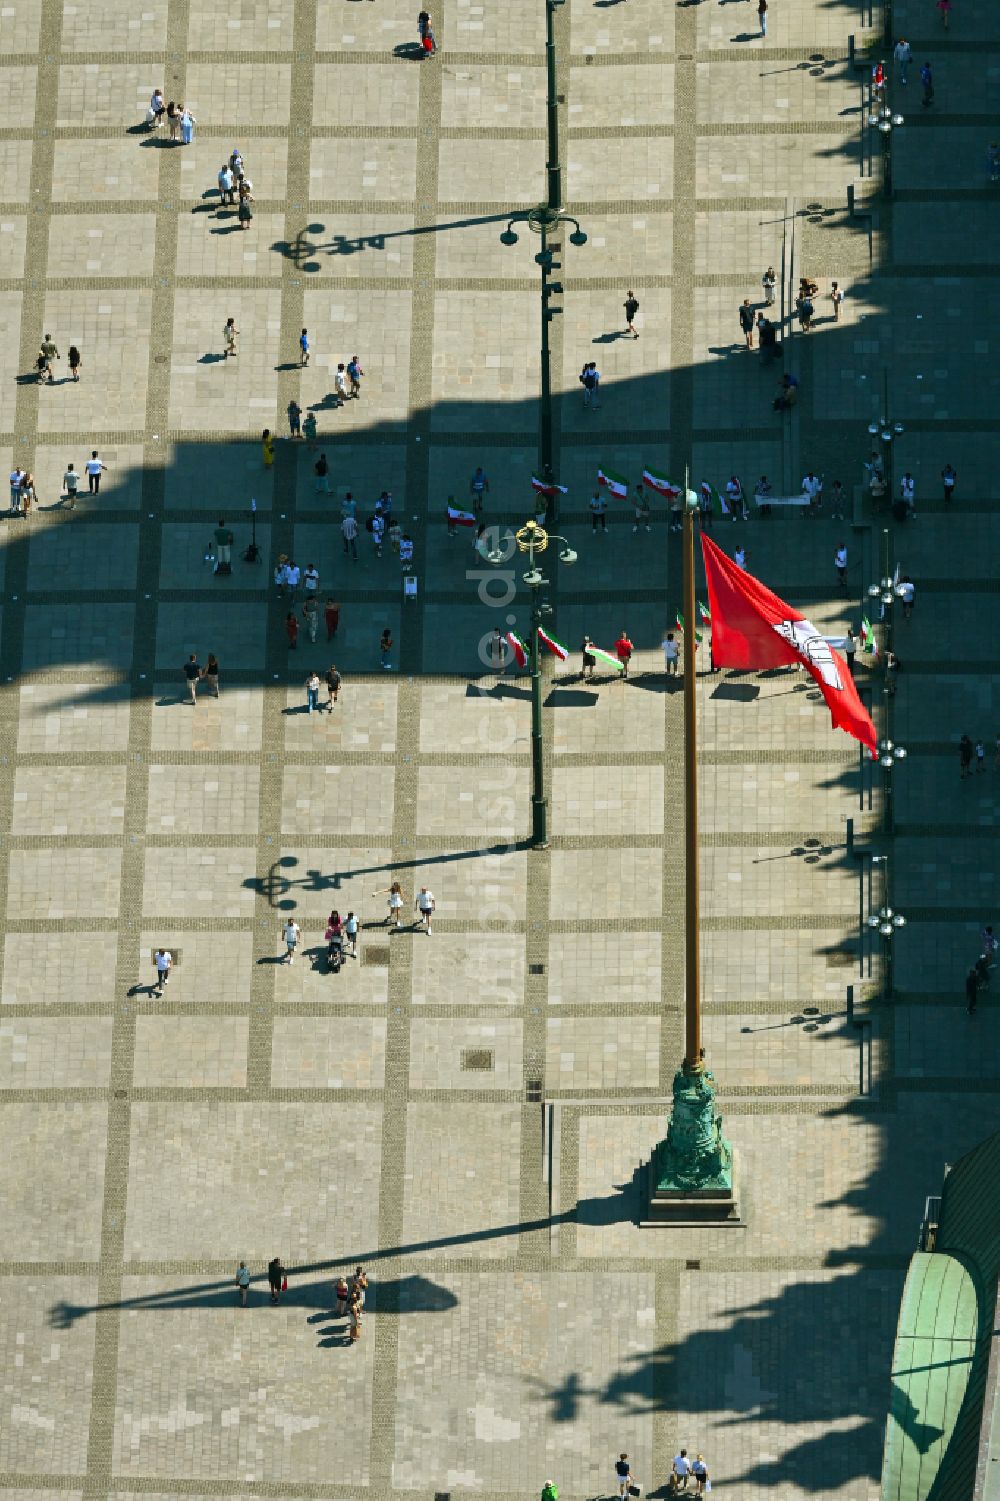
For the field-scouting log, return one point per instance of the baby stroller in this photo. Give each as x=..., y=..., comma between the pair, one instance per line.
x=335, y=949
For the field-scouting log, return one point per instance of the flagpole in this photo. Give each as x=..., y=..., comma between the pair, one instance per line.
x=693, y=1051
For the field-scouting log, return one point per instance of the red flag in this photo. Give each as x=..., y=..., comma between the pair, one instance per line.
x=751, y=627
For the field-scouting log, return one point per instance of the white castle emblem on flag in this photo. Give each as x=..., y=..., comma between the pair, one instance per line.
x=804, y=638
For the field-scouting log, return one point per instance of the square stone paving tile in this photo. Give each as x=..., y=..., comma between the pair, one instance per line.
x=774, y=165
x=798, y=967
x=602, y=1052
x=203, y=799
x=635, y=167
x=475, y=96
x=486, y=970
x=482, y=883
x=511, y=1354
x=362, y=169
x=15, y=169
x=260, y=25
x=237, y=631
x=193, y=1052
x=196, y=1191
x=328, y=1052
x=222, y=96
x=40, y=1052
x=337, y=99
x=36, y=971
x=48, y=1366
x=110, y=25
x=69, y=800
x=236, y=1425
x=798, y=798
x=363, y=719
x=58, y=883
x=467, y=799
x=376, y=322
x=756, y=1349
x=211, y=243
x=336, y=799
x=630, y=721
x=646, y=28
x=231, y=722
x=66, y=557
x=58, y=1194
x=734, y=886
x=611, y=884
x=12, y=245
x=621, y=95
x=814, y=1212
x=205, y=387
x=615, y=799
x=609, y=969
x=266, y=161
x=454, y=1202
x=312, y=982
x=118, y=172
x=105, y=245
x=357, y=245
x=192, y=881
x=940, y=1041
x=731, y=93
x=19, y=26
x=494, y=369
x=208, y=966
x=183, y=546
x=114, y=329
x=314, y=881
x=824, y=1049
x=93, y=637
x=479, y=718
x=121, y=483
x=467, y=167
x=360, y=30
x=475, y=27
x=103, y=93
x=728, y=241
x=460, y=1054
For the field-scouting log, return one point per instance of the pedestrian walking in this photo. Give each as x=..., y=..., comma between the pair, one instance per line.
x=223, y=539
x=245, y=209
x=965, y=756
x=385, y=649
x=349, y=530
x=623, y=1476
x=740, y=557
x=394, y=903
x=340, y=384
x=837, y=298
x=50, y=352
x=304, y=348
x=188, y=123
x=227, y=185
x=850, y=649
x=736, y=498
x=95, y=468
x=163, y=963
x=699, y=1470
x=333, y=682
x=908, y=493
x=681, y=1471
x=192, y=676
x=623, y=651
x=988, y=943
x=157, y=109
x=331, y=616
x=293, y=577
x=276, y=1277
x=29, y=495
x=498, y=651
x=292, y=630
x=907, y=593
x=376, y=525
x=631, y=306
x=71, y=484
x=75, y=362
x=840, y=563
x=768, y=281
x=767, y=339
x=210, y=673
x=359, y=1284
x=590, y=379
x=343, y=1294
x=294, y=419
x=980, y=756
x=589, y=660
x=309, y=429
x=479, y=488
x=406, y=552
x=982, y=967
x=762, y=16
x=267, y=448
x=641, y=509
x=354, y=375
x=550, y=1491
x=903, y=55
x=948, y=481
x=425, y=905
x=804, y=310
x=598, y=511
x=173, y=120
x=310, y=614
x=351, y=933
x=670, y=653
x=839, y=500
x=243, y=1283
x=355, y=1310
x=927, y=79
x=321, y=470
x=312, y=693
x=675, y=504
x=290, y=933
x=971, y=990
x=746, y=321
x=944, y=6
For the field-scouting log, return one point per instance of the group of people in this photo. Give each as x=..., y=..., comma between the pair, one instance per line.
x=340, y=931
x=179, y=118
x=47, y=352
x=236, y=189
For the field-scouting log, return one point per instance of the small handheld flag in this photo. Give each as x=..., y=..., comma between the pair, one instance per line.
x=605, y=656
x=705, y=613
x=555, y=647
x=519, y=649
x=460, y=518
x=680, y=626
x=548, y=489
x=660, y=484
x=614, y=482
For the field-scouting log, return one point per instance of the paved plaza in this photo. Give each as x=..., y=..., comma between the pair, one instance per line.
x=467, y=1114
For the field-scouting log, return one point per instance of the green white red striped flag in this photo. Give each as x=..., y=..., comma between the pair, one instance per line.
x=718, y=503
x=680, y=626
x=660, y=483
x=548, y=489
x=868, y=641
x=519, y=649
x=705, y=613
x=460, y=518
x=555, y=647
x=616, y=483
x=605, y=656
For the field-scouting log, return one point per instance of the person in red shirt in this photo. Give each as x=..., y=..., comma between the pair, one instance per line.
x=624, y=649
x=292, y=629
x=331, y=614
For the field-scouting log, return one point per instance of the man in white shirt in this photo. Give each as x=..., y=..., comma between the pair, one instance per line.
x=227, y=186
x=294, y=578
x=95, y=468
x=71, y=481
x=903, y=54
x=349, y=527
x=907, y=590
x=291, y=933
x=908, y=492
x=681, y=1470
x=740, y=557
x=17, y=477
x=163, y=963
x=340, y=385
x=378, y=532
x=812, y=486
x=310, y=579
x=670, y=654
x=425, y=907
x=734, y=493
x=406, y=552
x=840, y=563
